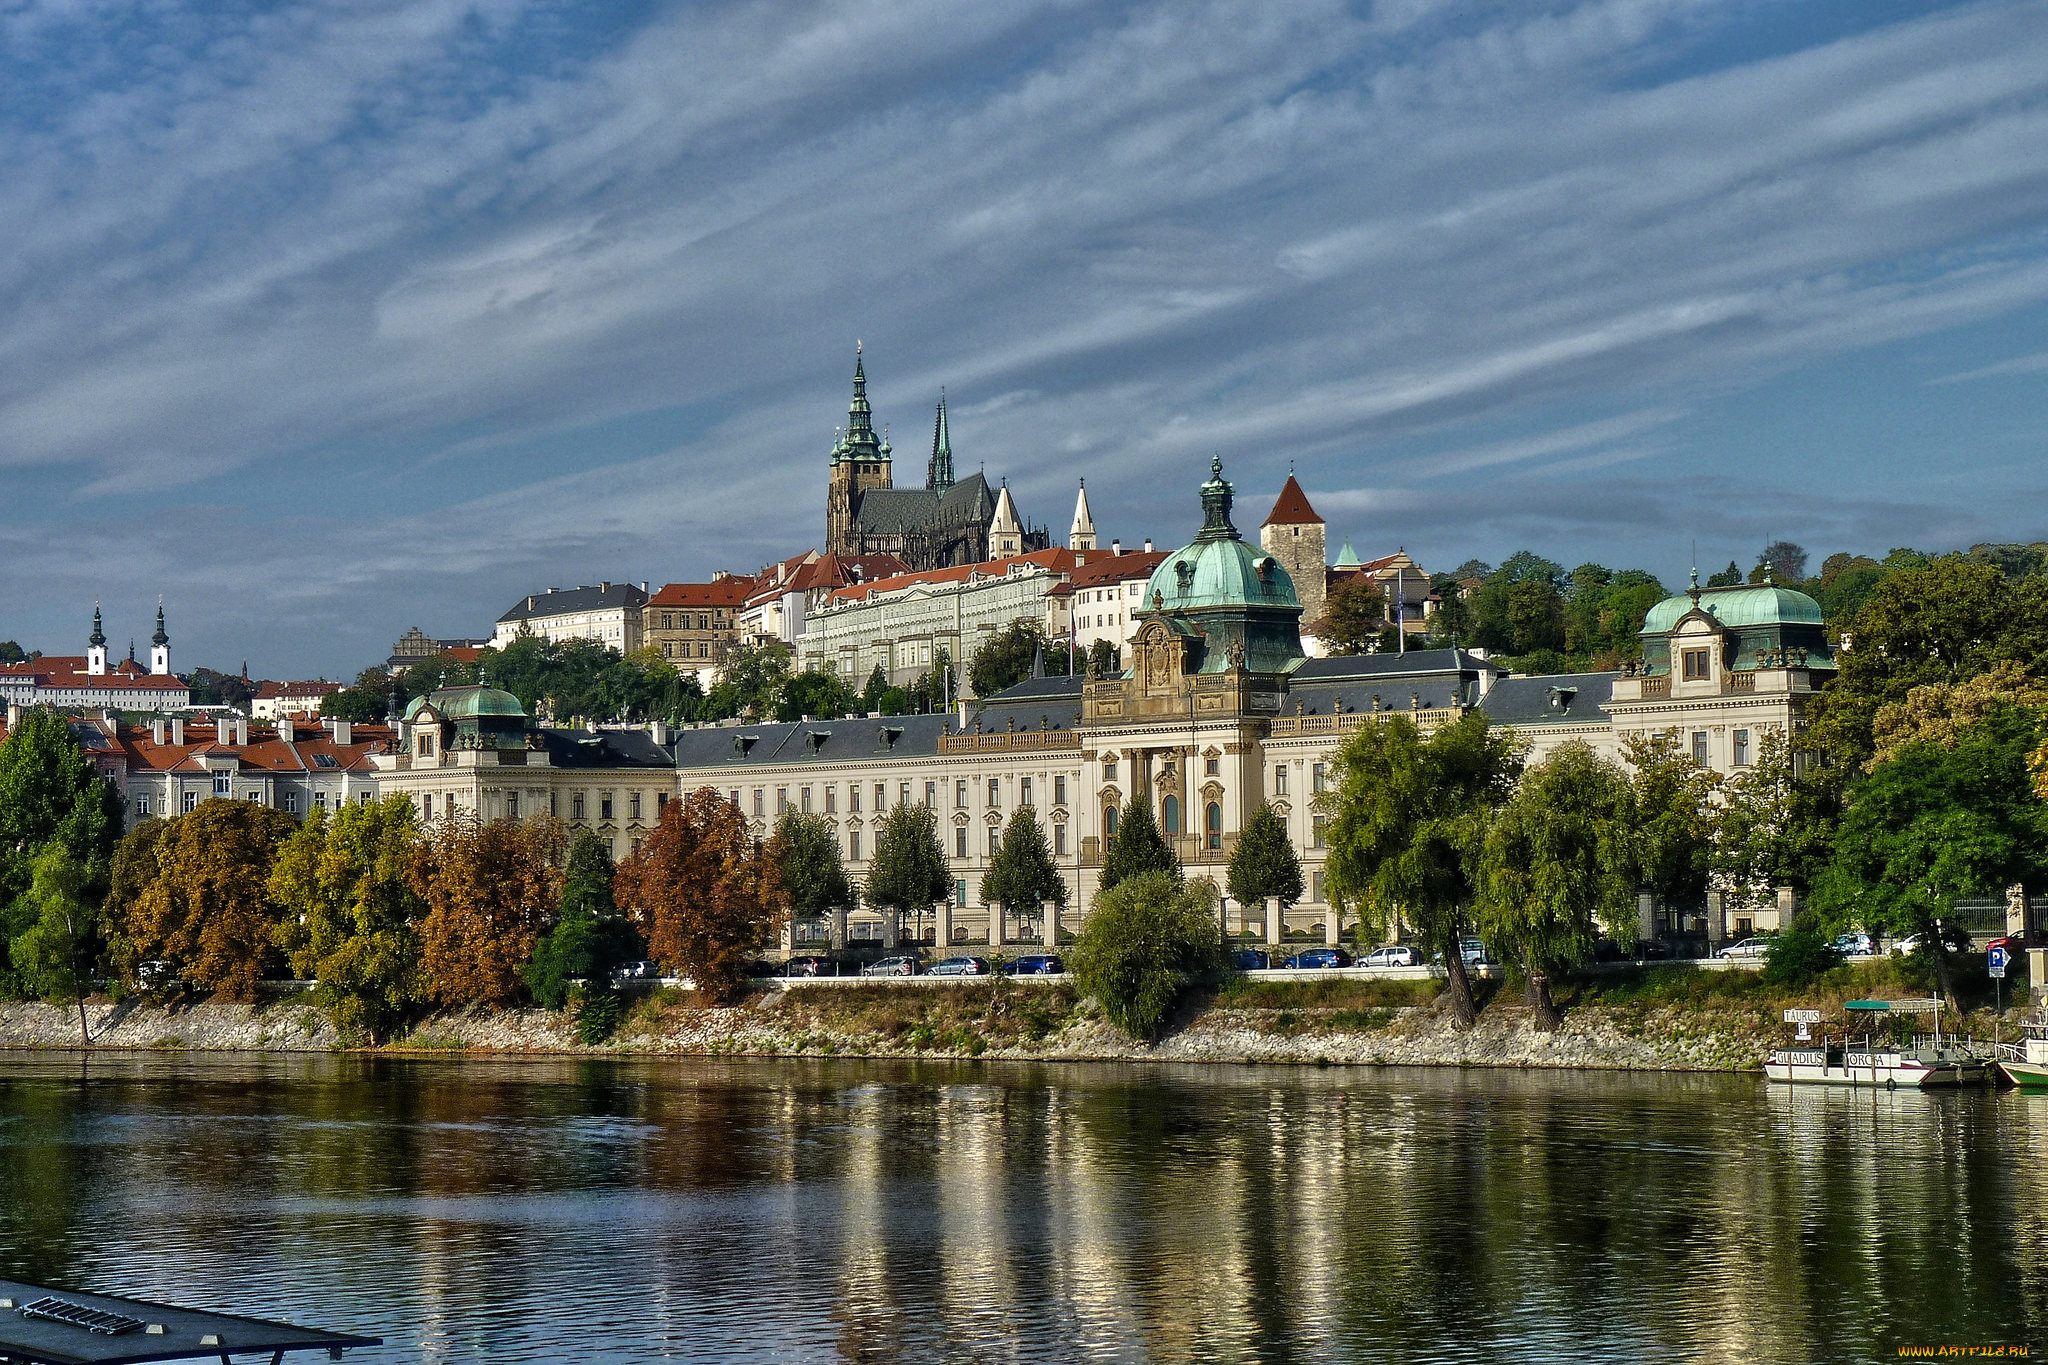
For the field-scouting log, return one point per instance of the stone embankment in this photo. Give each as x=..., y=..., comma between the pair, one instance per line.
x=999, y=1020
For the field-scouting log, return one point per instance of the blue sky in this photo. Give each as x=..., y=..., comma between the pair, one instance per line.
x=326, y=321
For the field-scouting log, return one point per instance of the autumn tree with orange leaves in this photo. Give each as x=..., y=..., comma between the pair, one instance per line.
x=491, y=890
x=207, y=909
x=701, y=893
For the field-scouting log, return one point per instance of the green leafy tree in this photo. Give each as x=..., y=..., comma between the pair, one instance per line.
x=1021, y=875
x=589, y=941
x=1407, y=827
x=1559, y=865
x=49, y=795
x=805, y=852
x=11, y=652
x=209, y=687
x=1263, y=866
x=1785, y=560
x=1136, y=848
x=1674, y=804
x=56, y=951
x=751, y=684
x=1006, y=658
x=871, y=694
x=1728, y=578
x=909, y=873
x=1149, y=942
x=1798, y=955
x=1354, y=617
x=1774, y=825
x=350, y=920
x=1935, y=825
x=817, y=694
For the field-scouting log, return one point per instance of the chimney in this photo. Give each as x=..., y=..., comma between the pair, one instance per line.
x=604, y=585
x=657, y=730
x=177, y=729
x=1116, y=547
x=13, y=715
x=285, y=734
x=529, y=600
x=343, y=732
x=1148, y=545
x=239, y=728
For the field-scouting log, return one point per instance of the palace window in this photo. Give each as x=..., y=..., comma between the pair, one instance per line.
x=223, y=784
x=512, y=805
x=960, y=842
x=760, y=797
x=1059, y=841
x=141, y=806
x=1024, y=791
x=291, y=803
x=1695, y=664
x=1279, y=779
x=1169, y=815
x=1320, y=831
x=960, y=794
x=1212, y=767
x=1316, y=888
x=831, y=800
x=995, y=843
x=1108, y=823
x=1059, y=791
x=804, y=800
x=960, y=893
x=1214, y=821
x=1740, y=756
x=781, y=800
x=882, y=796
x=1109, y=770
x=633, y=806
x=853, y=845
x=1699, y=747
x=426, y=806
x=604, y=805
x=995, y=793
x=931, y=795
x=576, y=806
x=191, y=800
x=853, y=798
x=1319, y=777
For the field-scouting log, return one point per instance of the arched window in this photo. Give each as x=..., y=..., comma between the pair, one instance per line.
x=1169, y=815
x=1214, y=822
x=1108, y=823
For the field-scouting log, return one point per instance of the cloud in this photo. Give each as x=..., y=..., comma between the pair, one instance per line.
x=322, y=279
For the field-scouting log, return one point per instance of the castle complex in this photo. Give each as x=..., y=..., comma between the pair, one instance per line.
x=947, y=522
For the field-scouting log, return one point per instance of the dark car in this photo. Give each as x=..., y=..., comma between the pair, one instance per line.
x=959, y=966
x=1251, y=960
x=1320, y=959
x=1654, y=950
x=1035, y=964
x=1607, y=950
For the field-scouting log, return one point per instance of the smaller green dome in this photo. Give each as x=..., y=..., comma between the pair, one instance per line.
x=1752, y=604
x=469, y=703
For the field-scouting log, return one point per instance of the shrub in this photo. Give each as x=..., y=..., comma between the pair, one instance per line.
x=1150, y=940
x=1798, y=955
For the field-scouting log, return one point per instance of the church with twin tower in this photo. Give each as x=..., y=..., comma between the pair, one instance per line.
x=949, y=521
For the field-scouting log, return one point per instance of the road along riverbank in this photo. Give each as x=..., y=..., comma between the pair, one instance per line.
x=1659, y=1018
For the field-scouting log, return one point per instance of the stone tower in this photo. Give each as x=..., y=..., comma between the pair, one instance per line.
x=860, y=461
x=1296, y=536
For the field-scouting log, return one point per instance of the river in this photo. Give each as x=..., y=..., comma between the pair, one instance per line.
x=698, y=1210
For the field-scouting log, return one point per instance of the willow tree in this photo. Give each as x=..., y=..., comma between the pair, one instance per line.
x=1407, y=826
x=1558, y=865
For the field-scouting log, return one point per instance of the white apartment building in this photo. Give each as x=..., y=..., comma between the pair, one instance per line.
x=610, y=613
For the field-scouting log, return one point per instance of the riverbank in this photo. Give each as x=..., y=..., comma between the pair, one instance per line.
x=1670, y=1019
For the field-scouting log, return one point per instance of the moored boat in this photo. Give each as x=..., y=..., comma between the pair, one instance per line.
x=1877, y=1062
x=2026, y=1063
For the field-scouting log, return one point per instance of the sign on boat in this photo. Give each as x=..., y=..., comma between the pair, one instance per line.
x=1874, y=1060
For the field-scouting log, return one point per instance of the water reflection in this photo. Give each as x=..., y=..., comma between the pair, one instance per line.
x=884, y=1212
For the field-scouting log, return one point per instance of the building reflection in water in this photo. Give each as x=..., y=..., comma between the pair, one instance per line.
x=709, y=1210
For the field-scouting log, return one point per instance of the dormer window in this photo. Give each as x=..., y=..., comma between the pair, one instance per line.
x=1696, y=665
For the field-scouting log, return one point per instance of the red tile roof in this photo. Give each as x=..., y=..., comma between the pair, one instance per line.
x=731, y=591
x=1291, y=509
x=1056, y=559
x=1100, y=572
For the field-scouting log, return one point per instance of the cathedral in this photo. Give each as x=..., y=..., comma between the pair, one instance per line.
x=944, y=523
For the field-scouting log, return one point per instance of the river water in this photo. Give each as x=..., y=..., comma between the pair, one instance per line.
x=790, y=1211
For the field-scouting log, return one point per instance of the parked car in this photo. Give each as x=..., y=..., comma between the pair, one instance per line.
x=1035, y=964
x=1909, y=944
x=1319, y=959
x=809, y=966
x=635, y=971
x=2013, y=944
x=1654, y=950
x=1855, y=945
x=1749, y=947
x=891, y=966
x=1251, y=960
x=959, y=966
x=1393, y=955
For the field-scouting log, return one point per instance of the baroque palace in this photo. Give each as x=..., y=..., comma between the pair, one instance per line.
x=1218, y=709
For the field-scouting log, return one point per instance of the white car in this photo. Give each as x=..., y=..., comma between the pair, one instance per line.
x=891, y=966
x=1393, y=955
x=1749, y=947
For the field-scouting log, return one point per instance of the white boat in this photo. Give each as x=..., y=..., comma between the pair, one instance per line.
x=2026, y=1065
x=1877, y=1062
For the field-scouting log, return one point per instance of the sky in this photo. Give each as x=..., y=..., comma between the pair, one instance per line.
x=324, y=321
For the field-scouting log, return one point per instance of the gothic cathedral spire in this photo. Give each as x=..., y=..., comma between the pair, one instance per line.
x=939, y=473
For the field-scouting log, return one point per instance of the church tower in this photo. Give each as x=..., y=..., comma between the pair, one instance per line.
x=1082, y=536
x=1005, y=531
x=96, y=646
x=939, y=474
x=860, y=461
x=159, y=645
x=1296, y=536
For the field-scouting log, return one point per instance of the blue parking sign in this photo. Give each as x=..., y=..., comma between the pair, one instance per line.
x=1997, y=958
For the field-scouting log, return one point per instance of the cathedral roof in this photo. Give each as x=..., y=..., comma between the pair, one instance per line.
x=899, y=511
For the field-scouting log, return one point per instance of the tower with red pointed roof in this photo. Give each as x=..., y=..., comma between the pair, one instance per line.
x=1296, y=535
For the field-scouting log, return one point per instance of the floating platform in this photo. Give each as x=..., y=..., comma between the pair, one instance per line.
x=63, y=1327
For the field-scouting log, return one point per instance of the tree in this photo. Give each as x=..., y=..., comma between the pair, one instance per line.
x=1021, y=875
x=1263, y=865
x=1150, y=940
x=360, y=705
x=751, y=683
x=1938, y=713
x=490, y=890
x=55, y=953
x=871, y=693
x=49, y=791
x=1935, y=825
x=1407, y=820
x=1007, y=657
x=11, y=652
x=1136, y=848
x=1354, y=617
x=702, y=894
x=1786, y=561
x=909, y=873
x=1775, y=825
x=816, y=694
x=351, y=917
x=589, y=941
x=805, y=853
x=208, y=910
x=1558, y=865
x=1728, y=578
x=209, y=687
x=1674, y=805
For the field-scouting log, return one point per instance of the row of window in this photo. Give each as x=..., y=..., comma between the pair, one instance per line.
x=680, y=620
x=287, y=800
x=671, y=650
x=963, y=795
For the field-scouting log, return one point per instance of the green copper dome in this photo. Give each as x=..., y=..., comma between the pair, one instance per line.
x=1239, y=600
x=1754, y=604
x=469, y=703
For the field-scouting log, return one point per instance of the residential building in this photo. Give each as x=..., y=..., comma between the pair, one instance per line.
x=415, y=645
x=1403, y=587
x=784, y=594
x=300, y=700
x=610, y=613
x=695, y=625
x=172, y=764
x=946, y=522
x=1100, y=599
x=901, y=624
